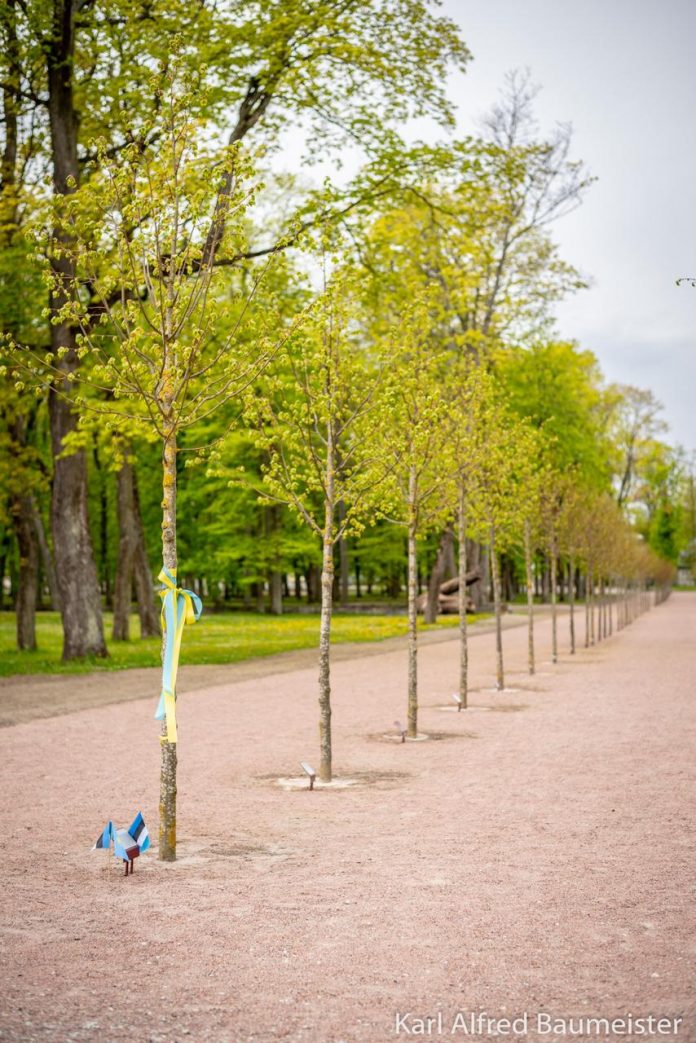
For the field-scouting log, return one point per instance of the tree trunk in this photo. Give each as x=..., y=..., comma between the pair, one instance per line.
x=103, y=548
x=27, y=587
x=529, y=580
x=275, y=583
x=443, y=568
x=83, y=631
x=327, y=578
x=495, y=575
x=46, y=556
x=142, y=572
x=571, y=599
x=168, y=764
x=412, y=610
x=477, y=556
x=311, y=580
x=132, y=563
x=554, y=617
x=123, y=583
x=275, y=575
x=4, y=551
x=463, y=625
x=343, y=561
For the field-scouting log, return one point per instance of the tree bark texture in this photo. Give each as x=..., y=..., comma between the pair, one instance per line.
x=529, y=580
x=571, y=599
x=463, y=625
x=444, y=566
x=49, y=569
x=495, y=575
x=168, y=763
x=132, y=564
x=412, y=636
x=27, y=587
x=554, y=614
x=142, y=573
x=327, y=580
x=77, y=575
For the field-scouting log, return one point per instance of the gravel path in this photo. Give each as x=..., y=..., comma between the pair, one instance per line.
x=537, y=858
x=28, y=697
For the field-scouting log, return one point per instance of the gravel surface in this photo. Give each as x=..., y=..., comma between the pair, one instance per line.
x=533, y=855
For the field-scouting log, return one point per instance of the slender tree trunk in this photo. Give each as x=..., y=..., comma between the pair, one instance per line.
x=463, y=626
x=45, y=554
x=412, y=613
x=444, y=563
x=168, y=764
x=554, y=618
x=529, y=579
x=103, y=552
x=477, y=555
x=142, y=572
x=276, y=590
x=495, y=576
x=275, y=575
x=412, y=636
x=587, y=609
x=311, y=580
x=327, y=578
x=571, y=598
x=343, y=561
x=123, y=583
x=4, y=551
x=27, y=587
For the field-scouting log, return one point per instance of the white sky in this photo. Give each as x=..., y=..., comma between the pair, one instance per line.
x=623, y=73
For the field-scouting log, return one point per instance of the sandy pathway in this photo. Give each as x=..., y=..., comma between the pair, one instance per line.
x=536, y=858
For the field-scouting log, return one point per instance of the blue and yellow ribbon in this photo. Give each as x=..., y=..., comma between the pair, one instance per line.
x=179, y=607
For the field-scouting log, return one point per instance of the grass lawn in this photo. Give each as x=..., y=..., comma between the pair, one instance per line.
x=214, y=639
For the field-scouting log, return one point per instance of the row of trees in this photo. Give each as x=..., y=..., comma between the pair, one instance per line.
x=367, y=362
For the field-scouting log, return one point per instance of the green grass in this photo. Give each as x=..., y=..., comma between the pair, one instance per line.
x=214, y=639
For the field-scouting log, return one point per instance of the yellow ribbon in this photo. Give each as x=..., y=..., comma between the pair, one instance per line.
x=179, y=607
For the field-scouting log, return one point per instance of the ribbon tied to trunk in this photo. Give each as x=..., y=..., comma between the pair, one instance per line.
x=179, y=607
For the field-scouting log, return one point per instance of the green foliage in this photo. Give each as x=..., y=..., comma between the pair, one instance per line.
x=557, y=388
x=228, y=638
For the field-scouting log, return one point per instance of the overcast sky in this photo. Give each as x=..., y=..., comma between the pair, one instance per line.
x=623, y=72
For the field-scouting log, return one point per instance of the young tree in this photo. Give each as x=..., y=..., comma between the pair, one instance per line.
x=314, y=418
x=502, y=480
x=470, y=400
x=178, y=337
x=412, y=441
